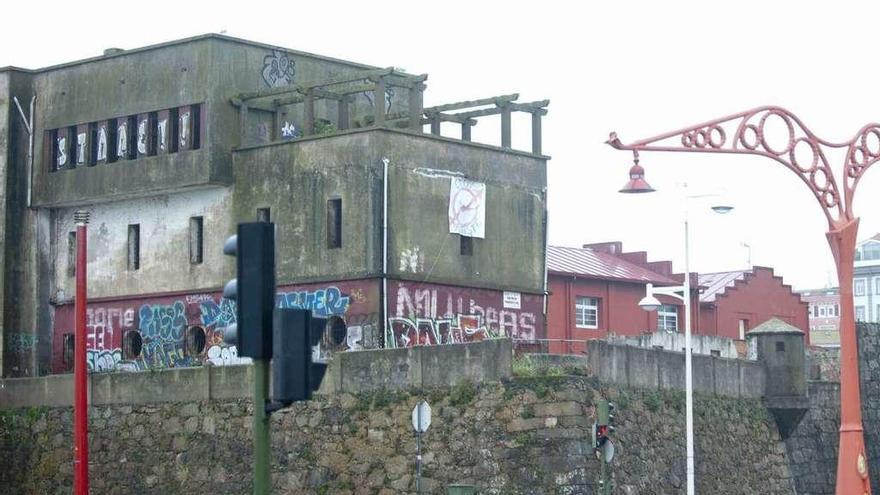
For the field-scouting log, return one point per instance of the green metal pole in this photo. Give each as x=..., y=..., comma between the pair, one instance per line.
x=262, y=474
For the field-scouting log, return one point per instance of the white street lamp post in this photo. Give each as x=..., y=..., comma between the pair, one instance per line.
x=683, y=292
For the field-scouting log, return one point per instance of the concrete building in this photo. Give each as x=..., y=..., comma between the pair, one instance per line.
x=866, y=280
x=732, y=303
x=595, y=292
x=824, y=314
x=411, y=236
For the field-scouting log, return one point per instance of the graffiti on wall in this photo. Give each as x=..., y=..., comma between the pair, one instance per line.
x=163, y=323
x=278, y=69
x=434, y=315
x=20, y=343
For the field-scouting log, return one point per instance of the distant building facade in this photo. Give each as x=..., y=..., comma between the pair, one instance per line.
x=824, y=314
x=411, y=237
x=866, y=280
x=595, y=291
x=732, y=303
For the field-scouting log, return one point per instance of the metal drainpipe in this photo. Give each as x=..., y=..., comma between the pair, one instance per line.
x=384, y=245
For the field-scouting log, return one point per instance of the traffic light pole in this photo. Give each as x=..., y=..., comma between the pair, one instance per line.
x=262, y=471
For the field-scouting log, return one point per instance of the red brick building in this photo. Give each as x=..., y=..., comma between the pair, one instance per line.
x=732, y=303
x=595, y=291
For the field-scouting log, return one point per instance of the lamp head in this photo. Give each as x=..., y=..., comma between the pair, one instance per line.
x=649, y=303
x=636, y=183
x=722, y=208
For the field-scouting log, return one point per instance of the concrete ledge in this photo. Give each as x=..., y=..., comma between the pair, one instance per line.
x=656, y=368
x=353, y=372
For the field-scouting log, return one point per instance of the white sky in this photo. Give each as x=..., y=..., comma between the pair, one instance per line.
x=639, y=68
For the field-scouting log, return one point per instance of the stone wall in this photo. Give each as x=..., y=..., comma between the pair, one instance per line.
x=522, y=435
x=812, y=447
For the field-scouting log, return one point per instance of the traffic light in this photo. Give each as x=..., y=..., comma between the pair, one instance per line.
x=297, y=368
x=603, y=428
x=253, y=289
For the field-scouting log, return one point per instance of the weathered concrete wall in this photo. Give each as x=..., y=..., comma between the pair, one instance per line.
x=657, y=369
x=674, y=341
x=812, y=447
x=208, y=69
x=164, y=245
x=397, y=369
x=420, y=245
x=295, y=180
x=527, y=435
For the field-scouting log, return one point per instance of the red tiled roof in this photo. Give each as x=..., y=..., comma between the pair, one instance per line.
x=597, y=264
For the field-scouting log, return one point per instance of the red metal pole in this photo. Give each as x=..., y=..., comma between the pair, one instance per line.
x=80, y=370
x=852, y=464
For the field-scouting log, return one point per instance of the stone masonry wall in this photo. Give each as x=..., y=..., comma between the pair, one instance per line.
x=812, y=447
x=524, y=435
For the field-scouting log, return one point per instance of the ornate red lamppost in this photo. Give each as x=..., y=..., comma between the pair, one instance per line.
x=804, y=154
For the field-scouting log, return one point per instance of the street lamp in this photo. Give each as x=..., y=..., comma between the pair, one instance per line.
x=803, y=153
x=637, y=184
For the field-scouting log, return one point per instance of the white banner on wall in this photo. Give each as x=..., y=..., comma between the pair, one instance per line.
x=467, y=208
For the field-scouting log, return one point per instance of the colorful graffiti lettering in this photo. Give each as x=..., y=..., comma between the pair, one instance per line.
x=20, y=343
x=161, y=321
x=406, y=332
x=278, y=69
x=101, y=323
x=216, y=314
x=322, y=302
x=223, y=356
x=162, y=328
x=103, y=360
x=439, y=307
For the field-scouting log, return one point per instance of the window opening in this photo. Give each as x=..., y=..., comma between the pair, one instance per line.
x=196, y=239
x=334, y=223
x=134, y=247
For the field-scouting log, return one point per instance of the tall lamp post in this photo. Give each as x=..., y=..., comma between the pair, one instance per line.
x=637, y=184
x=803, y=153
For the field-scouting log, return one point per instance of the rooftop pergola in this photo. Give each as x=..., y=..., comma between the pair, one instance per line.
x=343, y=90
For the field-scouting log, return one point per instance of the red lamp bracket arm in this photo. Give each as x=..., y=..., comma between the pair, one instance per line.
x=794, y=146
x=862, y=152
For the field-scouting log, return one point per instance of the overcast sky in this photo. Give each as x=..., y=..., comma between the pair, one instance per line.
x=638, y=68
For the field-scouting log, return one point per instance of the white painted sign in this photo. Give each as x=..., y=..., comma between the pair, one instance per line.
x=512, y=300
x=421, y=417
x=467, y=208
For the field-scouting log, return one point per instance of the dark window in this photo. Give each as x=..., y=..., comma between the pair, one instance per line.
x=111, y=140
x=715, y=353
x=53, y=139
x=92, y=145
x=152, y=133
x=71, y=146
x=196, y=238
x=134, y=247
x=67, y=348
x=132, y=137
x=466, y=246
x=71, y=254
x=264, y=215
x=334, y=223
x=195, y=341
x=174, y=122
x=132, y=344
x=196, y=126
x=780, y=346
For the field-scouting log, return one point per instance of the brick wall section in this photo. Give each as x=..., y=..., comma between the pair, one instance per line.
x=526, y=435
